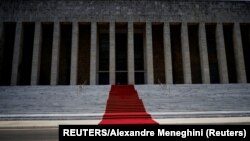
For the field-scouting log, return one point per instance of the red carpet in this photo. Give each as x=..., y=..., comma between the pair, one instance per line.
x=125, y=107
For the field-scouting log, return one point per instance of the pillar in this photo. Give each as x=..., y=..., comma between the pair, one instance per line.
x=205, y=74
x=74, y=54
x=131, y=69
x=221, y=54
x=16, y=54
x=112, y=53
x=93, y=47
x=185, y=54
x=239, y=56
x=167, y=54
x=149, y=54
x=55, y=54
x=36, y=55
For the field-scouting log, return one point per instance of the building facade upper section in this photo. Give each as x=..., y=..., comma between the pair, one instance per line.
x=125, y=10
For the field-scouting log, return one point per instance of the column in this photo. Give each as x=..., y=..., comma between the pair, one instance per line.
x=74, y=54
x=239, y=56
x=205, y=74
x=149, y=54
x=167, y=54
x=55, y=54
x=36, y=55
x=112, y=53
x=131, y=69
x=221, y=54
x=16, y=54
x=93, y=46
x=185, y=54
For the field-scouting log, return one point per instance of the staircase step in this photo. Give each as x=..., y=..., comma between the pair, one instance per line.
x=124, y=105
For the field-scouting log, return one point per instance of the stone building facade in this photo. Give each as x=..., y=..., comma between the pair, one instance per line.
x=69, y=42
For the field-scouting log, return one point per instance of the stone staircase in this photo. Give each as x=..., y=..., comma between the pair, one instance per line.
x=124, y=104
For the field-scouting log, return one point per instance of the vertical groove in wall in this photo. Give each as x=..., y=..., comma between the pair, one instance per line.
x=194, y=53
x=245, y=35
x=65, y=53
x=46, y=53
x=8, y=37
x=121, y=53
x=228, y=39
x=158, y=54
x=83, y=54
x=26, y=54
x=175, y=36
x=139, y=31
x=212, y=53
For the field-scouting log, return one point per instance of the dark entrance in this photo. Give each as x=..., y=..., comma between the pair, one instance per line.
x=121, y=58
x=103, y=58
x=103, y=53
x=139, y=58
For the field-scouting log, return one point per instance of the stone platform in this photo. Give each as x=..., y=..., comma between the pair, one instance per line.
x=89, y=102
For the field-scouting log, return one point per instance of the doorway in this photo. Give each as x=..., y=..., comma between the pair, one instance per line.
x=121, y=58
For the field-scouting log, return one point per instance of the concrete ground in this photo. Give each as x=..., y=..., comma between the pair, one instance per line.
x=35, y=106
x=20, y=124
x=47, y=130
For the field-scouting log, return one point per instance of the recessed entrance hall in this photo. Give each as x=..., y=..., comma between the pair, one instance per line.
x=121, y=69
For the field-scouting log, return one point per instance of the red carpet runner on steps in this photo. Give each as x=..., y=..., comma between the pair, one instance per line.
x=125, y=107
